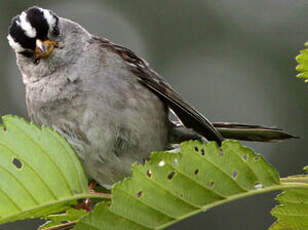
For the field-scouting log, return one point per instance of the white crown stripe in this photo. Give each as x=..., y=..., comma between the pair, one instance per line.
x=16, y=46
x=49, y=18
x=26, y=26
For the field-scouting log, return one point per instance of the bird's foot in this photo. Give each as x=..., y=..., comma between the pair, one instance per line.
x=86, y=204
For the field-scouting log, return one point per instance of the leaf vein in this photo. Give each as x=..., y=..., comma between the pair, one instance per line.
x=22, y=185
x=31, y=168
x=197, y=182
x=12, y=201
x=147, y=205
x=171, y=193
x=224, y=172
x=69, y=155
x=47, y=155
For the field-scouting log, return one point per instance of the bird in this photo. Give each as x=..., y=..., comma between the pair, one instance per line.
x=105, y=100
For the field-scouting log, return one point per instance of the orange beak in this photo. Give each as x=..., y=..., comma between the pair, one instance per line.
x=44, y=48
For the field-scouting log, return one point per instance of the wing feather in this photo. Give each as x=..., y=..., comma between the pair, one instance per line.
x=189, y=116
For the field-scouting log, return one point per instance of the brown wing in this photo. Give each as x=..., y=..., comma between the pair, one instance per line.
x=189, y=116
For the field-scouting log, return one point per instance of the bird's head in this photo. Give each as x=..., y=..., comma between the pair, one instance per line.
x=42, y=40
x=34, y=32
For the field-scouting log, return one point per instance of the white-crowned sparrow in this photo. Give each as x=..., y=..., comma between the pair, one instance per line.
x=104, y=99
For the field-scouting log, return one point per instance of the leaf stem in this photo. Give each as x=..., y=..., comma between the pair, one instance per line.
x=287, y=183
x=55, y=203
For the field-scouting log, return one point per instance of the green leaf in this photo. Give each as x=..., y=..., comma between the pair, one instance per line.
x=302, y=66
x=40, y=172
x=174, y=186
x=292, y=213
x=67, y=217
x=41, y=175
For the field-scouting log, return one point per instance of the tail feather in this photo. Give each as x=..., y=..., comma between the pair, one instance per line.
x=230, y=130
x=248, y=132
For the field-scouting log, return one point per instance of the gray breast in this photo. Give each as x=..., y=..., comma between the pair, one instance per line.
x=106, y=114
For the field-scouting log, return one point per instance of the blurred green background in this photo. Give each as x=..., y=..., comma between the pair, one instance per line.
x=232, y=59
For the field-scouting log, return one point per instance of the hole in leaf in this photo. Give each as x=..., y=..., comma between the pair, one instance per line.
x=196, y=171
x=139, y=194
x=161, y=163
x=202, y=152
x=245, y=157
x=234, y=174
x=258, y=185
x=64, y=221
x=196, y=149
x=171, y=175
x=212, y=184
x=17, y=163
x=221, y=153
x=175, y=162
x=149, y=173
x=181, y=195
x=256, y=158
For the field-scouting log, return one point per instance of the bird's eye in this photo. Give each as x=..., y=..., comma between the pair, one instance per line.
x=56, y=31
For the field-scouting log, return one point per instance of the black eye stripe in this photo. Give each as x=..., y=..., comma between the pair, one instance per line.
x=56, y=28
x=27, y=53
x=18, y=34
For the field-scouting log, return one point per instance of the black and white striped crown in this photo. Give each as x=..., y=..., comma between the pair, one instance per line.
x=34, y=23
